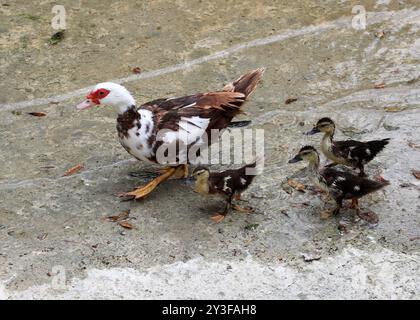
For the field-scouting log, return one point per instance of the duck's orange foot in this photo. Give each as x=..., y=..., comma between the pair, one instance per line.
x=181, y=171
x=143, y=191
x=217, y=218
x=138, y=193
x=241, y=209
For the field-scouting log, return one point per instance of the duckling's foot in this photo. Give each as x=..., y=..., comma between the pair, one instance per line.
x=241, y=209
x=218, y=217
x=143, y=191
x=237, y=197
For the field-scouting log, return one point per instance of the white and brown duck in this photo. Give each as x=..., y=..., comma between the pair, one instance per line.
x=229, y=185
x=176, y=121
x=340, y=185
x=348, y=152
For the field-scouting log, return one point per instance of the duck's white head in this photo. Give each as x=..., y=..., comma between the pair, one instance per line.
x=108, y=93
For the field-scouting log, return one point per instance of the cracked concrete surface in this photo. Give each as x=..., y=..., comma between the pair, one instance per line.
x=47, y=220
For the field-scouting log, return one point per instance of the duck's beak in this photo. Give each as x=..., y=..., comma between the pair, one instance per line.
x=297, y=158
x=313, y=131
x=85, y=104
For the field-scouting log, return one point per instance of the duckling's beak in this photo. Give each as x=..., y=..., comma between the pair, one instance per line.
x=313, y=131
x=297, y=158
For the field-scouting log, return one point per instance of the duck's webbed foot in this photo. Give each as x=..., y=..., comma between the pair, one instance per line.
x=219, y=217
x=145, y=190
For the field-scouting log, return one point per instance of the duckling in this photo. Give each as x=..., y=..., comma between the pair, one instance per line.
x=227, y=184
x=350, y=152
x=340, y=185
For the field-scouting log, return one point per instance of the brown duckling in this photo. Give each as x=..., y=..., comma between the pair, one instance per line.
x=349, y=152
x=227, y=184
x=340, y=185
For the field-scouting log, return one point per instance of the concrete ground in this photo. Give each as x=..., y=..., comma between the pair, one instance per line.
x=54, y=240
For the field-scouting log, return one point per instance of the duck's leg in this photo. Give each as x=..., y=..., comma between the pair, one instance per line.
x=237, y=197
x=339, y=202
x=182, y=172
x=219, y=217
x=361, y=170
x=354, y=204
x=143, y=191
x=325, y=214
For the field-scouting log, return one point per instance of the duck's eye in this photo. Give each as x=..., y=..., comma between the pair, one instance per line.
x=101, y=93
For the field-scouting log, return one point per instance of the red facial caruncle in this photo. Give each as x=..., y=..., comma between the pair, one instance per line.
x=96, y=96
x=93, y=98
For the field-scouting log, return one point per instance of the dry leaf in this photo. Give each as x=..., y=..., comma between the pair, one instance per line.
x=290, y=100
x=369, y=216
x=379, y=34
x=136, y=70
x=394, y=109
x=73, y=170
x=415, y=238
x=43, y=236
x=416, y=173
x=37, y=114
x=379, y=86
x=414, y=146
x=121, y=216
x=47, y=167
x=296, y=185
x=126, y=224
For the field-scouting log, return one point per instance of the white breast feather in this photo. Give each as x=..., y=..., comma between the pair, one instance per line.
x=139, y=145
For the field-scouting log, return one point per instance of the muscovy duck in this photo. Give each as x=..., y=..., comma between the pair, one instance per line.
x=163, y=124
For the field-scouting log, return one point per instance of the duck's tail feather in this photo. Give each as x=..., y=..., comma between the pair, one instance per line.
x=246, y=83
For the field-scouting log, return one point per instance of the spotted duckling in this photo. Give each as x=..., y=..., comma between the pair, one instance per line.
x=340, y=185
x=227, y=184
x=351, y=153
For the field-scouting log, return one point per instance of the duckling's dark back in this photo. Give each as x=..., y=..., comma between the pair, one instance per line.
x=231, y=181
x=349, y=186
